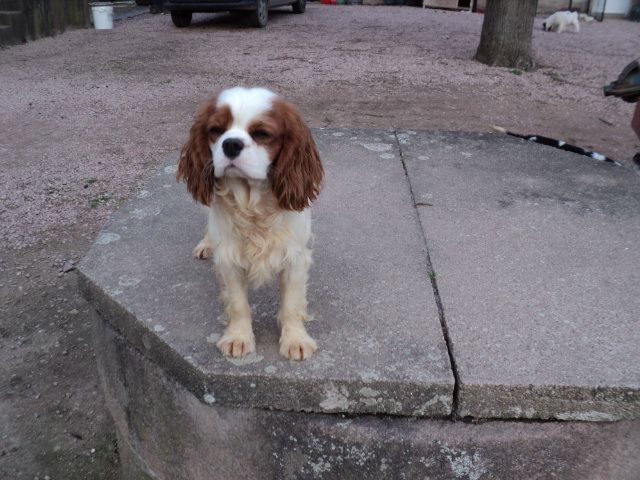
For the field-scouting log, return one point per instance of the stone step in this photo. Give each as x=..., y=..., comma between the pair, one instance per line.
x=381, y=344
x=545, y=332
x=165, y=433
x=456, y=275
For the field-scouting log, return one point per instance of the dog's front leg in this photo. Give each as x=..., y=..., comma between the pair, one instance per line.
x=295, y=343
x=205, y=248
x=238, y=339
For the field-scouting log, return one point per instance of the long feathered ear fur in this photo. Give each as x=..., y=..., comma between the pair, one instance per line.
x=298, y=173
x=195, y=166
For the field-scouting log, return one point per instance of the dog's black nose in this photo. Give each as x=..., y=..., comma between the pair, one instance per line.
x=232, y=147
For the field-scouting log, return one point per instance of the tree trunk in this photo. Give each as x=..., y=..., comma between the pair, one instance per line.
x=506, y=34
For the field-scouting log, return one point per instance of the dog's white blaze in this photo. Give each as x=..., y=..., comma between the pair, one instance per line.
x=246, y=104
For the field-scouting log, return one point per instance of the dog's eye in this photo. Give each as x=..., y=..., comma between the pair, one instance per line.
x=216, y=131
x=261, y=134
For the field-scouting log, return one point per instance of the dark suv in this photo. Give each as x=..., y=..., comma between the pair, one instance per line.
x=257, y=10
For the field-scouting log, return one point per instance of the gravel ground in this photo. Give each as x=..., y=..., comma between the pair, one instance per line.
x=88, y=115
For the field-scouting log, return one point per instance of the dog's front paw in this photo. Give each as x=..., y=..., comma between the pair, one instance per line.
x=237, y=344
x=203, y=250
x=297, y=345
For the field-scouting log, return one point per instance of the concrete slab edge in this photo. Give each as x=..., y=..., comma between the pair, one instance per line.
x=549, y=402
x=327, y=395
x=164, y=432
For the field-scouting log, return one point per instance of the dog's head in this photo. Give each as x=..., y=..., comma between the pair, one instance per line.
x=252, y=134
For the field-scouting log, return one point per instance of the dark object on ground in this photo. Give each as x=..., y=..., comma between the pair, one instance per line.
x=627, y=86
x=552, y=142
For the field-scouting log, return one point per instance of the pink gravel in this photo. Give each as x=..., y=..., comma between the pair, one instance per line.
x=88, y=115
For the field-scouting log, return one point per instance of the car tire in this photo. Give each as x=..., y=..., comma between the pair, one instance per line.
x=299, y=6
x=181, y=19
x=258, y=18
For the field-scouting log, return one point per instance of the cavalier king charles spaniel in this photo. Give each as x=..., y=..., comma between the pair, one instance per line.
x=251, y=161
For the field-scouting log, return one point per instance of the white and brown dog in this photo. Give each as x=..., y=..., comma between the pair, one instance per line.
x=251, y=160
x=559, y=21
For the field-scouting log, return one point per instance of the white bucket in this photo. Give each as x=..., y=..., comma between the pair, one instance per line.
x=102, y=17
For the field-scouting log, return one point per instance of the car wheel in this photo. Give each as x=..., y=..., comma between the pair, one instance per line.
x=181, y=19
x=299, y=6
x=258, y=17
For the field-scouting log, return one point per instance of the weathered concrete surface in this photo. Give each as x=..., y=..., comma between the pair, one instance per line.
x=165, y=432
x=382, y=348
x=537, y=263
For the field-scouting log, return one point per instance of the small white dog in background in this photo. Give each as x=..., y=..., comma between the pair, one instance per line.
x=561, y=20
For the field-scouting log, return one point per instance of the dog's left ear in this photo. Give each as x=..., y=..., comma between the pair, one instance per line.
x=297, y=171
x=195, y=166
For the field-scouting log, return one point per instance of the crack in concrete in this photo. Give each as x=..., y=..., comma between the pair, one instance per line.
x=434, y=285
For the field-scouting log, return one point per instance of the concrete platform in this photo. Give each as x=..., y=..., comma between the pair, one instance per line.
x=456, y=275
x=537, y=264
x=381, y=344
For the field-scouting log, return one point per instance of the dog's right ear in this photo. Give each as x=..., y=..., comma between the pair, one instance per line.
x=544, y=26
x=195, y=166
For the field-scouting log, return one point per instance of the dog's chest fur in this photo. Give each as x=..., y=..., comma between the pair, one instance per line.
x=249, y=225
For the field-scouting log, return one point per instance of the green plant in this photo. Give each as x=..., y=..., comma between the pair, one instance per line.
x=96, y=201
